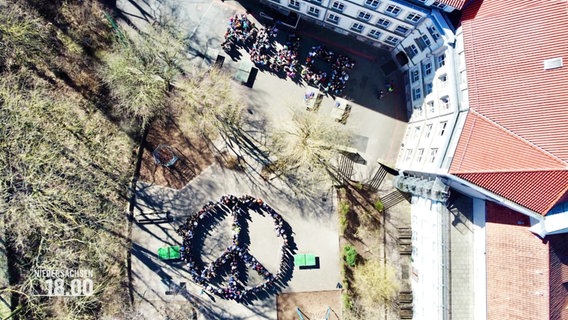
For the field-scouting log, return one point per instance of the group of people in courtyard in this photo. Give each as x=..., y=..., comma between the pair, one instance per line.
x=203, y=274
x=258, y=42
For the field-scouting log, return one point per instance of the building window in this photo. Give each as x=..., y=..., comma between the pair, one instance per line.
x=416, y=132
x=443, y=125
x=428, y=89
x=357, y=27
x=419, y=155
x=433, y=153
x=428, y=130
x=374, y=33
x=383, y=23
x=333, y=18
x=413, y=49
x=430, y=105
x=413, y=17
x=427, y=69
x=414, y=76
x=401, y=30
x=314, y=11
x=372, y=3
x=441, y=60
x=363, y=15
x=443, y=80
x=437, y=4
x=463, y=77
x=338, y=6
x=426, y=40
x=445, y=102
x=434, y=33
x=408, y=155
x=392, y=40
x=294, y=4
x=316, y=1
x=393, y=10
x=416, y=94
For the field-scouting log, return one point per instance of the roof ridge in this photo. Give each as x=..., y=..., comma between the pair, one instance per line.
x=513, y=134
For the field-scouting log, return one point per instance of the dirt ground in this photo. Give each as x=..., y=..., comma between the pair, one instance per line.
x=193, y=156
x=313, y=305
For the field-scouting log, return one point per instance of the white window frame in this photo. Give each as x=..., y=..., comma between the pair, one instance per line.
x=416, y=132
x=374, y=33
x=314, y=11
x=392, y=40
x=413, y=17
x=372, y=3
x=383, y=23
x=416, y=94
x=443, y=80
x=393, y=10
x=441, y=60
x=431, y=106
x=414, y=49
x=428, y=130
x=439, y=5
x=426, y=39
x=414, y=75
x=442, y=129
x=294, y=3
x=339, y=6
x=420, y=155
x=428, y=68
x=333, y=18
x=408, y=155
x=433, y=154
x=401, y=31
x=428, y=88
x=445, y=102
x=364, y=15
x=357, y=27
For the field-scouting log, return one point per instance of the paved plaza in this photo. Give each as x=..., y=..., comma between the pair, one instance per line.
x=314, y=230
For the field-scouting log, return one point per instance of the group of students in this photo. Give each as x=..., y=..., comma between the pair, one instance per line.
x=236, y=207
x=340, y=66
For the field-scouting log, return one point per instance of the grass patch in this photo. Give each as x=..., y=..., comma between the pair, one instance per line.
x=379, y=205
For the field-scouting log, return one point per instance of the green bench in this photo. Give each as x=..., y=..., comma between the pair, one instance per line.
x=169, y=253
x=304, y=260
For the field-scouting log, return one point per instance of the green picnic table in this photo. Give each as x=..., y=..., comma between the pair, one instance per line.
x=169, y=253
x=304, y=260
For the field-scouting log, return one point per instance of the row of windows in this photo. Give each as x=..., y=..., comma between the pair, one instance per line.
x=358, y=27
x=427, y=68
x=420, y=155
x=390, y=10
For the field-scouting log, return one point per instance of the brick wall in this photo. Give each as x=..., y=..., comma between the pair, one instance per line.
x=517, y=267
x=558, y=276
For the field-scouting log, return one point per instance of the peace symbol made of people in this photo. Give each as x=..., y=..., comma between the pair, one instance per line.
x=228, y=275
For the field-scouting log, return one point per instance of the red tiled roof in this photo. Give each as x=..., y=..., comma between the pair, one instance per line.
x=485, y=146
x=519, y=117
x=517, y=267
x=536, y=190
x=458, y=4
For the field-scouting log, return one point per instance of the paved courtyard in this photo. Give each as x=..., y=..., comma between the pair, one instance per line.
x=313, y=223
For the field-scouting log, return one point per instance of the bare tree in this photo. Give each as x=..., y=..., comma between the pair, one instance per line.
x=375, y=283
x=140, y=71
x=208, y=103
x=305, y=151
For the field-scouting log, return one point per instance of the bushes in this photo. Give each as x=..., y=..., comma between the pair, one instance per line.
x=379, y=205
x=350, y=254
x=343, y=210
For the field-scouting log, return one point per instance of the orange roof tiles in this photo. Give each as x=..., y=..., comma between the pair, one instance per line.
x=518, y=126
x=517, y=267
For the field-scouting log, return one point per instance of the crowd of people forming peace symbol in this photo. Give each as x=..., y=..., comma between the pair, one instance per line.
x=203, y=275
x=258, y=42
